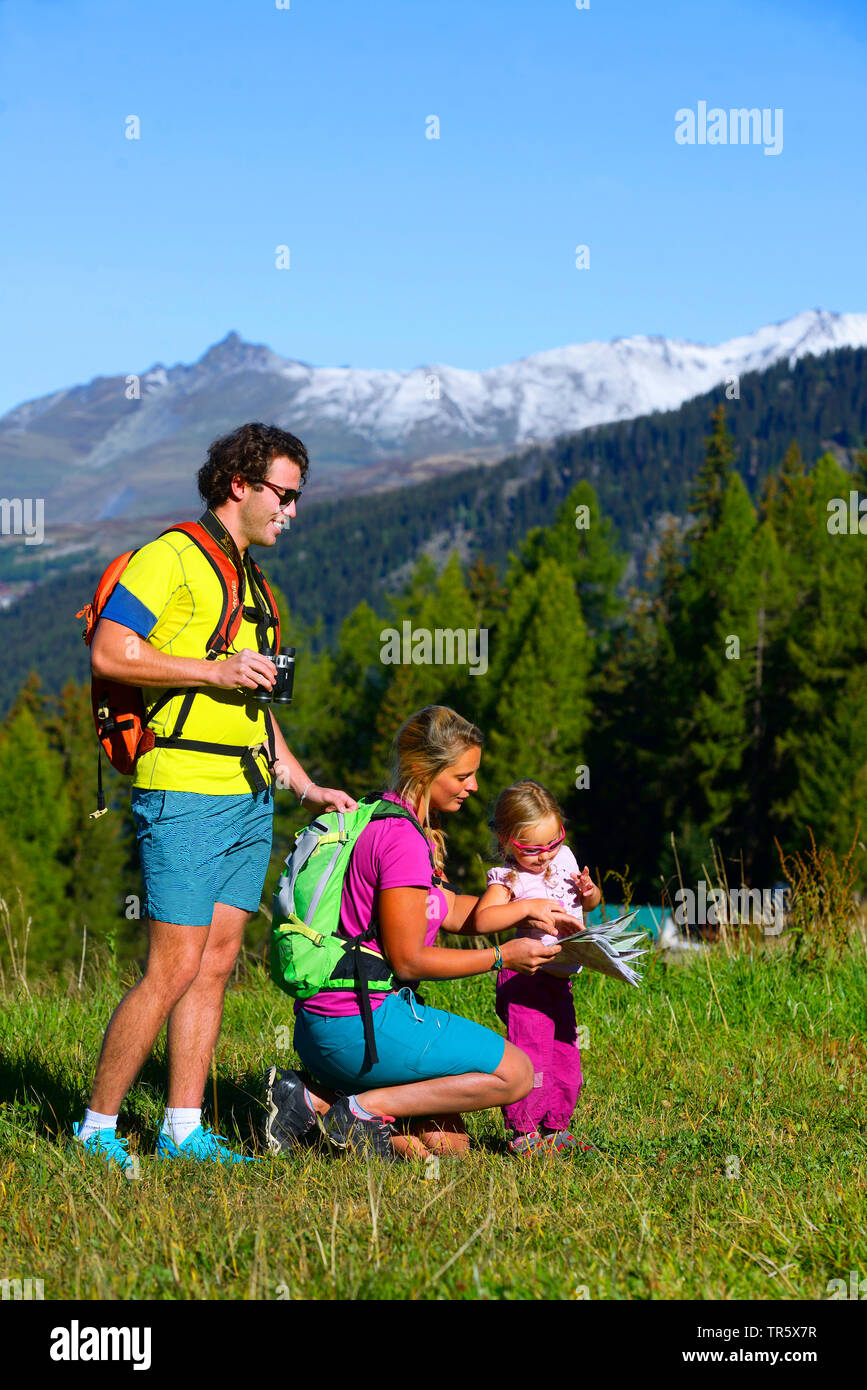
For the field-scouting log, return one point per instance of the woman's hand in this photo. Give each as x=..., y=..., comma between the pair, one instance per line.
x=550, y=916
x=526, y=955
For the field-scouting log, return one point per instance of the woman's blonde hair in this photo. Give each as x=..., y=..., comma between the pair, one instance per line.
x=518, y=808
x=427, y=743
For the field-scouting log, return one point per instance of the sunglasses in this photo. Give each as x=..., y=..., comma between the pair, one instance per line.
x=539, y=849
x=285, y=496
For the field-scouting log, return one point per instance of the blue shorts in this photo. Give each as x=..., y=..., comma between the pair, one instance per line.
x=197, y=850
x=414, y=1043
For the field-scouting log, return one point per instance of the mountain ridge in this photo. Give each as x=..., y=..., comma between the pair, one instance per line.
x=143, y=452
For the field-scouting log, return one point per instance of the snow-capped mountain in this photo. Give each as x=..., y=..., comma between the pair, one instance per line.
x=140, y=439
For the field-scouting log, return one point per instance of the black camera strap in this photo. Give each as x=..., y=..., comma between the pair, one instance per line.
x=259, y=612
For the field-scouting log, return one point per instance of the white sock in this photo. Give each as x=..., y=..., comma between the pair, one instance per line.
x=358, y=1109
x=178, y=1124
x=93, y=1122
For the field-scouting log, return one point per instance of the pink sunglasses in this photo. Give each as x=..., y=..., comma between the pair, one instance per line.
x=539, y=849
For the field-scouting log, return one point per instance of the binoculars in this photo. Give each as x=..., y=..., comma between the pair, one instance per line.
x=281, y=691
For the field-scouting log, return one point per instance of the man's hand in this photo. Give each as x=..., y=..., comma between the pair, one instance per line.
x=245, y=668
x=329, y=799
x=325, y=798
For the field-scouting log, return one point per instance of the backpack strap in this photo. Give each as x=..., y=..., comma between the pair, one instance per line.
x=221, y=552
x=401, y=813
x=219, y=548
x=388, y=810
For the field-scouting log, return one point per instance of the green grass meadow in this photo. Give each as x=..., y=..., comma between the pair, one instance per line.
x=725, y=1096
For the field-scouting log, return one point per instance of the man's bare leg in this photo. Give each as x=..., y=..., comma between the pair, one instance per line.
x=194, y=1022
x=174, y=955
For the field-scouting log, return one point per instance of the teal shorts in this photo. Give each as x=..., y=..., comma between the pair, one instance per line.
x=197, y=850
x=414, y=1041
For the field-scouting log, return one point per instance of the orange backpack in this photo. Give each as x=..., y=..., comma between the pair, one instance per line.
x=119, y=711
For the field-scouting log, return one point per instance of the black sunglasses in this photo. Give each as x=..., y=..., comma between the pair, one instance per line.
x=285, y=496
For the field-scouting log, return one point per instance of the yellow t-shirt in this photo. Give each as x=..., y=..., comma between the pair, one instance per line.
x=170, y=595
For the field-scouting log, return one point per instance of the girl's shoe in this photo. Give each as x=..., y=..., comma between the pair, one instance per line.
x=524, y=1144
x=561, y=1141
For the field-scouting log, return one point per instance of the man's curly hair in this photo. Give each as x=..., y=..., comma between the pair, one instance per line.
x=249, y=451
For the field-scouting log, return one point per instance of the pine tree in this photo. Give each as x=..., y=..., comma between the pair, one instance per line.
x=822, y=738
x=633, y=752
x=582, y=540
x=429, y=605
x=542, y=711
x=98, y=855
x=35, y=823
x=714, y=475
x=718, y=637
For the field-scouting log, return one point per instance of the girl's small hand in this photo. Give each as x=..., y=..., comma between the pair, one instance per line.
x=526, y=955
x=550, y=916
x=583, y=882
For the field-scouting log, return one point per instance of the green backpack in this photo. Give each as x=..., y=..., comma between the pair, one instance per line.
x=309, y=952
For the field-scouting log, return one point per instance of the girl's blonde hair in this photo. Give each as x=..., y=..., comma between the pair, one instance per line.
x=427, y=743
x=516, y=809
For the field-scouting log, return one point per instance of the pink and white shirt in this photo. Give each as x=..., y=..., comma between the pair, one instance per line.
x=553, y=883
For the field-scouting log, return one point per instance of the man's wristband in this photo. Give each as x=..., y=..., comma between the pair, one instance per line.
x=304, y=793
x=498, y=959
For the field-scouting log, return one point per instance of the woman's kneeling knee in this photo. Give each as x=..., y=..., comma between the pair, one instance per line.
x=516, y=1069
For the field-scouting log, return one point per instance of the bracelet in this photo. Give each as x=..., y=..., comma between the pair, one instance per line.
x=304, y=793
x=498, y=959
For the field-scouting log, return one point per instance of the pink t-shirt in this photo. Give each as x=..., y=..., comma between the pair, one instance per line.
x=555, y=883
x=388, y=854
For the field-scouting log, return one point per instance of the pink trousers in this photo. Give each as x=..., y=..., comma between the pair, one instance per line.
x=540, y=1019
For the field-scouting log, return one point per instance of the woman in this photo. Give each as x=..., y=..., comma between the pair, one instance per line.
x=430, y=1063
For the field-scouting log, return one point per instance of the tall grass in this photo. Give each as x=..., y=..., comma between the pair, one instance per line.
x=725, y=1097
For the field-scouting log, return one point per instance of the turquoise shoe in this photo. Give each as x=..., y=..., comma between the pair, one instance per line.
x=105, y=1145
x=203, y=1145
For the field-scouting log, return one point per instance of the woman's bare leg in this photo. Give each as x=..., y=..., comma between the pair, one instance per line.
x=445, y=1135
x=435, y=1134
x=407, y=1144
x=322, y=1098
x=475, y=1090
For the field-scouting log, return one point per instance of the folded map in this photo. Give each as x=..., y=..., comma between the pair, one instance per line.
x=606, y=946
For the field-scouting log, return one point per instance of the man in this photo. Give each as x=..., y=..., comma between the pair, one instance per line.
x=204, y=821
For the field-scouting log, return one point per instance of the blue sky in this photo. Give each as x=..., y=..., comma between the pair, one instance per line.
x=306, y=127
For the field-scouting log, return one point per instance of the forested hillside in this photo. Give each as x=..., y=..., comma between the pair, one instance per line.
x=724, y=699
x=341, y=552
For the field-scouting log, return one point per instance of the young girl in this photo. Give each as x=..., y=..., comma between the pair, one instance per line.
x=540, y=891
